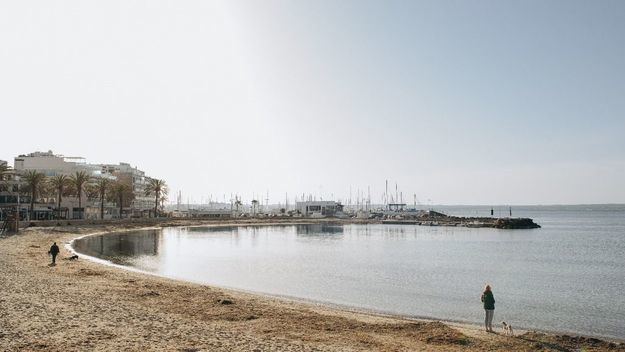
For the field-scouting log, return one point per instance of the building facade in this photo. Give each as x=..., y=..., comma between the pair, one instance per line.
x=319, y=208
x=141, y=205
x=9, y=188
x=51, y=165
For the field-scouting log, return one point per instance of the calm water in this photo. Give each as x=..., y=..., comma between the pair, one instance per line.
x=567, y=276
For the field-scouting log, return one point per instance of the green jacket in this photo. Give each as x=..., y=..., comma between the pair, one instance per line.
x=489, y=300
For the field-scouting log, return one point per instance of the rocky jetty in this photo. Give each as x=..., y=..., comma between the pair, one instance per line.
x=515, y=223
x=433, y=218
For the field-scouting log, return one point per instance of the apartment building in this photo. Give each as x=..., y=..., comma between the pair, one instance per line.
x=142, y=204
x=51, y=164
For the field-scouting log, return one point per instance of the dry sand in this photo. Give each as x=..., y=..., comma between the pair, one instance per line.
x=85, y=306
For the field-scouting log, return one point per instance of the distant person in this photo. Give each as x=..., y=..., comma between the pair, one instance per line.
x=54, y=251
x=489, y=307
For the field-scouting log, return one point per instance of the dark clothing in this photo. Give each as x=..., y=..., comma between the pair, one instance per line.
x=54, y=251
x=489, y=300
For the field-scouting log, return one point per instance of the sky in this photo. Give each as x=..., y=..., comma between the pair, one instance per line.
x=456, y=102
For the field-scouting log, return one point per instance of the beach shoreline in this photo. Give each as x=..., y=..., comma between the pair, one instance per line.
x=167, y=314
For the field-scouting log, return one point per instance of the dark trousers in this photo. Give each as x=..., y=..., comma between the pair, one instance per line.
x=54, y=258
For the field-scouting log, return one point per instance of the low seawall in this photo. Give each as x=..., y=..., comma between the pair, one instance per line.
x=502, y=223
x=437, y=220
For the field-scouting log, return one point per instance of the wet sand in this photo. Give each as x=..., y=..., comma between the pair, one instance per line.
x=82, y=305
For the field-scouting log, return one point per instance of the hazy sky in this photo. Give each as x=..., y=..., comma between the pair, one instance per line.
x=461, y=102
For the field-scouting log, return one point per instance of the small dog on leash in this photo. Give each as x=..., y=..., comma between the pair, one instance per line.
x=507, y=329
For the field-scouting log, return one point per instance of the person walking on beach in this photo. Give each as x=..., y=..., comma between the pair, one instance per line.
x=489, y=307
x=54, y=251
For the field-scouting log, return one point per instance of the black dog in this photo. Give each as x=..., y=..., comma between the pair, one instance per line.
x=74, y=257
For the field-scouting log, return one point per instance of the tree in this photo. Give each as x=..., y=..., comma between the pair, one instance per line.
x=34, y=182
x=158, y=188
x=254, y=204
x=4, y=169
x=122, y=194
x=101, y=188
x=79, y=180
x=4, y=173
x=162, y=200
x=59, y=183
x=237, y=204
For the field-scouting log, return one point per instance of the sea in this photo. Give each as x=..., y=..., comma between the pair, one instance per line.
x=567, y=276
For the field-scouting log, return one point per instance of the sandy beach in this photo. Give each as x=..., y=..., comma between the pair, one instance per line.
x=83, y=305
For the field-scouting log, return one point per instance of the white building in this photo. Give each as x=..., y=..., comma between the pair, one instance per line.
x=51, y=164
x=319, y=208
x=8, y=192
x=142, y=204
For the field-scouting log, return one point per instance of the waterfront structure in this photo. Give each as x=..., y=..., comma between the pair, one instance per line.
x=141, y=205
x=210, y=213
x=9, y=189
x=51, y=165
x=396, y=206
x=319, y=208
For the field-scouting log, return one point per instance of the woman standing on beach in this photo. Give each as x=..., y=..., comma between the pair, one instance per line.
x=489, y=307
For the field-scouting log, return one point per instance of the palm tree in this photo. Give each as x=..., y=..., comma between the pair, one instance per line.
x=254, y=204
x=59, y=184
x=101, y=187
x=237, y=204
x=158, y=188
x=34, y=181
x=4, y=172
x=4, y=169
x=121, y=192
x=79, y=179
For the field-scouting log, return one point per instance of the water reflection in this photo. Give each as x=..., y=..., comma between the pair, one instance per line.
x=118, y=246
x=212, y=229
x=319, y=229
